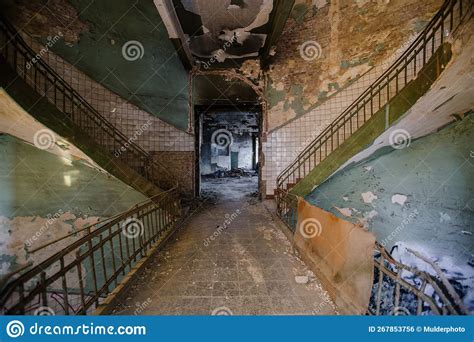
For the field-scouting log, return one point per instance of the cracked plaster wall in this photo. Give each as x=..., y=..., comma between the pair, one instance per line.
x=353, y=37
x=305, y=96
x=93, y=36
x=45, y=196
x=420, y=197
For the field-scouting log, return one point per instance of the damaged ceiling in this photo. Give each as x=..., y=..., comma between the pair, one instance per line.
x=216, y=90
x=220, y=33
x=233, y=120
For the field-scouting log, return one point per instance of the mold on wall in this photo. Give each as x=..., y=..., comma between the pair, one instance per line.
x=376, y=125
x=327, y=45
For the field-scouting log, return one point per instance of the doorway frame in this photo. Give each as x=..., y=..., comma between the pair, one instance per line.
x=199, y=111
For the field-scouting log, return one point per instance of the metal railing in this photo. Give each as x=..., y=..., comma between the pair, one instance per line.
x=398, y=289
x=78, y=278
x=286, y=208
x=377, y=95
x=46, y=82
x=403, y=290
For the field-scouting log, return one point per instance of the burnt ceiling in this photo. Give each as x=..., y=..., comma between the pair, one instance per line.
x=233, y=120
x=219, y=33
x=216, y=90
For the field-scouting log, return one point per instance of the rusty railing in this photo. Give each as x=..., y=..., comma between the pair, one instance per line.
x=77, y=279
x=46, y=82
x=405, y=297
x=376, y=96
x=403, y=290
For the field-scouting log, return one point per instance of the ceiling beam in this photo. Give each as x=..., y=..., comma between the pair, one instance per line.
x=175, y=32
x=281, y=12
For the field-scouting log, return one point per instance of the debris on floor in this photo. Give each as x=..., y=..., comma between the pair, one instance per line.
x=248, y=268
x=235, y=173
x=229, y=189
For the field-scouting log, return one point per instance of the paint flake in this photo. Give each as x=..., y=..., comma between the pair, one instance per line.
x=345, y=211
x=368, y=197
x=399, y=199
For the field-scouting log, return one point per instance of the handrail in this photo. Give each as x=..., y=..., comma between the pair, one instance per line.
x=49, y=84
x=405, y=68
x=100, y=222
x=391, y=276
x=388, y=272
x=89, y=268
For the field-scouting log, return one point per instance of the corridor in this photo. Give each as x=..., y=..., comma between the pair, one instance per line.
x=237, y=157
x=245, y=267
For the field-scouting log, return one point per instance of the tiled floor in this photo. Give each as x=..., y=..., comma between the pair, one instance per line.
x=246, y=268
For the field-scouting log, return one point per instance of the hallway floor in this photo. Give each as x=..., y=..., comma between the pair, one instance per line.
x=229, y=258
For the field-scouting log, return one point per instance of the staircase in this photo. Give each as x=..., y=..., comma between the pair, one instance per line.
x=53, y=102
x=95, y=266
x=102, y=257
x=379, y=106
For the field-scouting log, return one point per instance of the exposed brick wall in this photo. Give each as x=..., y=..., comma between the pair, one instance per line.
x=351, y=37
x=358, y=40
x=180, y=164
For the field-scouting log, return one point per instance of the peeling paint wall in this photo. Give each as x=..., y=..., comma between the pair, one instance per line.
x=413, y=185
x=420, y=196
x=308, y=85
x=327, y=45
x=120, y=44
x=420, y=189
x=45, y=196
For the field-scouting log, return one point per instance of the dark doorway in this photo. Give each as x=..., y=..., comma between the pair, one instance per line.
x=227, y=151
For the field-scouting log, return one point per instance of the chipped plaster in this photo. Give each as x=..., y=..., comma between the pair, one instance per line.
x=336, y=26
